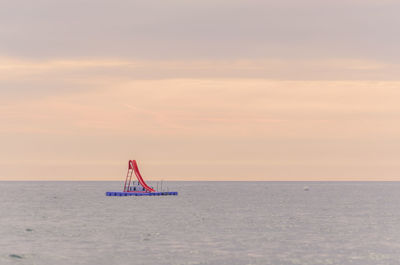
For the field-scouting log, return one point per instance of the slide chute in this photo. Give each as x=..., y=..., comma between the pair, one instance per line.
x=133, y=167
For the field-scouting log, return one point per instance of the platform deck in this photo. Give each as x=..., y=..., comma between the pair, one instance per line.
x=119, y=193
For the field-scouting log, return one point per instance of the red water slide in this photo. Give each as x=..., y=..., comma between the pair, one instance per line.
x=133, y=165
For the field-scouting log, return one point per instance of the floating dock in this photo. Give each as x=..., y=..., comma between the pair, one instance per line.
x=117, y=193
x=140, y=188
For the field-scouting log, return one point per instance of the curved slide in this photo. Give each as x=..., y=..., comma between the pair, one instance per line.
x=139, y=177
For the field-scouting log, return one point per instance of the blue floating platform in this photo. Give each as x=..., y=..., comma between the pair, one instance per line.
x=119, y=193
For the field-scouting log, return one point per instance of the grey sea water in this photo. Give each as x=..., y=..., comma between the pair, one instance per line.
x=208, y=223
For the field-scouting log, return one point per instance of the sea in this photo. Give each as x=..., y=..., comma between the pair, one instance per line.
x=207, y=223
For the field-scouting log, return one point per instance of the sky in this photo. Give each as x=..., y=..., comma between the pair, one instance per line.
x=200, y=90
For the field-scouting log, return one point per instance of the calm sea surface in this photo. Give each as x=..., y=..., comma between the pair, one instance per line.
x=208, y=223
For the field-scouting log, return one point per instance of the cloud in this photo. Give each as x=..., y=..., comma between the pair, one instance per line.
x=201, y=106
x=287, y=129
x=76, y=74
x=179, y=30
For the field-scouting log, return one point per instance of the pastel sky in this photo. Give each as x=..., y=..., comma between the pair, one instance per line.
x=200, y=90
